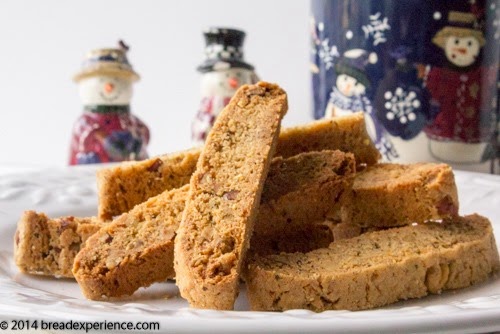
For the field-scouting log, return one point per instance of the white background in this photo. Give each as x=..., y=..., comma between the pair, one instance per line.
x=43, y=43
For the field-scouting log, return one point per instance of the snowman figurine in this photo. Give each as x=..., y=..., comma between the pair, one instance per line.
x=461, y=92
x=107, y=131
x=223, y=72
x=349, y=95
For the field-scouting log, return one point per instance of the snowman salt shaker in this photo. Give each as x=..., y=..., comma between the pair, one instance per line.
x=223, y=72
x=107, y=131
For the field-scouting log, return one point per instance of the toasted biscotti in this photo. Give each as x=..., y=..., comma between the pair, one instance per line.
x=299, y=193
x=324, y=175
x=46, y=246
x=129, y=183
x=345, y=133
x=377, y=268
x=224, y=196
x=388, y=195
x=122, y=187
x=134, y=251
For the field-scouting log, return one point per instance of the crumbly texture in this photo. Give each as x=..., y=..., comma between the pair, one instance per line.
x=46, y=246
x=377, y=268
x=130, y=183
x=224, y=196
x=387, y=195
x=300, y=192
x=122, y=187
x=134, y=251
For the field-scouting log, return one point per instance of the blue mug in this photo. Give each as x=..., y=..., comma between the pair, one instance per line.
x=424, y=72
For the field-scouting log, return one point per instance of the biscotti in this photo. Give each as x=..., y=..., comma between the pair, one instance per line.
x=377, y=268
x=282, y=191
x=292, y=222
x=46, y=246
x=387, y=195
x=224, y=196
x=123, y=186
x=345, y=133
x=298, y=195
x=134, y=251
x=129, y=183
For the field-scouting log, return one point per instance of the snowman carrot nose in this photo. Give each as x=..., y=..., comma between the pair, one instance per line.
x=108, y=87
x=233, y=82
x=461, y=50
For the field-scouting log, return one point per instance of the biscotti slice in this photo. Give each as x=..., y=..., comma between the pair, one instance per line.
x=298, y=195
x=134, y=251
x=345, y=133
x=376, y=268
x=130, y=183
x=46, y=246
x=224, y=196
x=387, y=195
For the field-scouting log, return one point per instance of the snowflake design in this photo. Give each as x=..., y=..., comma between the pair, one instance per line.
x=387, y=149
x=376, y=28
x=401, y=105
x=327, y=53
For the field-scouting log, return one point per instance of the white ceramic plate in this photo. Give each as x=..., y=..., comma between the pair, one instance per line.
x=72, y=191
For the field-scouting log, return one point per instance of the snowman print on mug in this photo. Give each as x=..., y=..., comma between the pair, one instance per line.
x=430, y=96
x=349, y=94
x=463, y=124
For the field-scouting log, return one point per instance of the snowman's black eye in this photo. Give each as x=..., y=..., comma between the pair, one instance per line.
x=469, y=43
x=456, y=41
x=345, y=78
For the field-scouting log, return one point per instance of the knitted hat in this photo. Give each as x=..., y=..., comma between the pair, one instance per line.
x=111, y=62
x=224, y=50
x=354, y=62
x=460, y=25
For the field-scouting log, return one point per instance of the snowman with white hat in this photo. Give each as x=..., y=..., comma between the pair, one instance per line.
x=107, y=131
x=223, y=72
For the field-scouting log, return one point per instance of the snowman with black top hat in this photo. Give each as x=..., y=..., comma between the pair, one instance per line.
x=349, y=95
x=223, y=72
